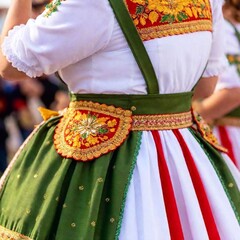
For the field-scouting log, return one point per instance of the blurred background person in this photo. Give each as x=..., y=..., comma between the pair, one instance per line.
x=222, y=109
x=19, y=100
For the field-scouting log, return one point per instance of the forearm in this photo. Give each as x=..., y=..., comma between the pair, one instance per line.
x=219, y=104
x=18, y=13
x=205, y=88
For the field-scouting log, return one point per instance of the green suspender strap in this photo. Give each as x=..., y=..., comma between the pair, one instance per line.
x=237, y=34
x=136, y=45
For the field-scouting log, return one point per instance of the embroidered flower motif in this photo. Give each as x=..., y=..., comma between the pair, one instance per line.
x=234, y=60
x=155, y=13
x=170, y=10
x=88, y=130
x=52, y=7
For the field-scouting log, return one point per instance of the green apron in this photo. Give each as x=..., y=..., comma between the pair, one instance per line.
x=45, y=197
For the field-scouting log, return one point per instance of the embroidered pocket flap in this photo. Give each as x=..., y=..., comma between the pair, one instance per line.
x=88, y=130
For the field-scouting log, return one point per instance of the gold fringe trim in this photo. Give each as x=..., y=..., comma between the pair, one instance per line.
x=228, y=121
x=162, y=121
x=6, y=234
x=175, y=29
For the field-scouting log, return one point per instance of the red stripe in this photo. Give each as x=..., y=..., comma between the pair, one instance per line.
x=226, y=142
x=199, y=189
x=168, y=193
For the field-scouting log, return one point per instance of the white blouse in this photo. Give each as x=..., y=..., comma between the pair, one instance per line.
x=230, y=78
x=84, y=42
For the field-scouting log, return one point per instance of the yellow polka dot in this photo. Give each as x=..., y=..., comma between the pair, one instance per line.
x=230, y=185
x=93, y=224
x=64, y=205
x=81, y=188
x=18, y=176
x=112, y=220
x=57, y=199
x=133, y=108
x=100, y=180
x=73, y=225
x=36, y=175
x=107, y=199
x=28, y=211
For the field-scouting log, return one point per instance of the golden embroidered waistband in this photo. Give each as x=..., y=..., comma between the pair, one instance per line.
x=162, y=121
x=139, y=122
x=89, y=129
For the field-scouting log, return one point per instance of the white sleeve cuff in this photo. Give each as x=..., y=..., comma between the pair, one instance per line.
x=10, y=51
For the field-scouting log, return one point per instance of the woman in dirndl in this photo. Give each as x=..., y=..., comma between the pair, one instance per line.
x=128, y=159
x=222, y=108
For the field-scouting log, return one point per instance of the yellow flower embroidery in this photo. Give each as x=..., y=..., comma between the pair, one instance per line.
x=158, y=18
x=88, y=129
x=52, y=7
x=170, y=10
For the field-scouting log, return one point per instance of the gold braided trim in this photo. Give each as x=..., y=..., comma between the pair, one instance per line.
x=206, y=131
x=175, y=29
x=6, y=234
x=162, y=121
x=228, y=121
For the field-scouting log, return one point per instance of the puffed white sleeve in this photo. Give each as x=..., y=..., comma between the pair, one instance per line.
x=217, y=61
x=57, y=39
x=230, y=78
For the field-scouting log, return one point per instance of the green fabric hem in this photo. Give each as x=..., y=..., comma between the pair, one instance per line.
x=138, y=145
x=223, y=173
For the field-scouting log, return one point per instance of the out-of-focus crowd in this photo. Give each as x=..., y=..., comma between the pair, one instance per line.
x=19, y=101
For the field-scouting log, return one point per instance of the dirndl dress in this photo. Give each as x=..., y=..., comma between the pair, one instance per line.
x=227, y=128
x=119, y=163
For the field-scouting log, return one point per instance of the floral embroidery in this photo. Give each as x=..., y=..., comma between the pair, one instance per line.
x=52, y=7
x=206, y=132
x=234, y=60
x=159, y=18
x=88, y=130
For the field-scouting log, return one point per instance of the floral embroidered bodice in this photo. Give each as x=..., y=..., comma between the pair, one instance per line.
x=161, y=18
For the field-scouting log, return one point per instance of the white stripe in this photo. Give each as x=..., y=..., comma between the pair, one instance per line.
x=187, y=202
x=145, y=216
x=234, y=136
x=225, y=219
